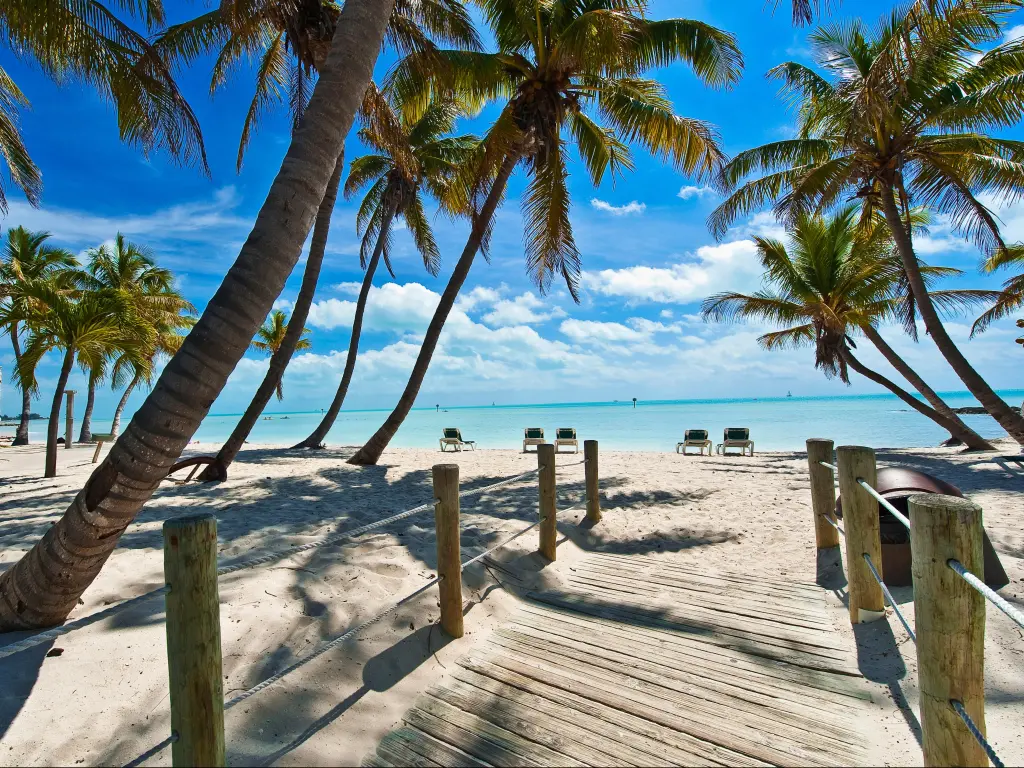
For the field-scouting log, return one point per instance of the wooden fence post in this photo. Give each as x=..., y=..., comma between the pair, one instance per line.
x=590, y=471
x=548, y=530
x=823, y=492
x=950, y=619
x=193, y=641
x=69, y=417
x=860, y=518
x=449, y=557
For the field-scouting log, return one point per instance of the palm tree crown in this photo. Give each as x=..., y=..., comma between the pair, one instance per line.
x=271, y=335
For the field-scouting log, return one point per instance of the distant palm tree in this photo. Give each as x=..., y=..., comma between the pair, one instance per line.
x=838, y=278
x=561, y=70
x=270, y=337
x=410, y=157
x=27, y=258
x=1011, y=298
x=899, y=121
x=87, y=42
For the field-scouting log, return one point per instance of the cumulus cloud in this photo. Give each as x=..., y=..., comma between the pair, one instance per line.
x=479, y=297
x=691, y=193
x=629, y=209
x=391, y=307
x=522, y=310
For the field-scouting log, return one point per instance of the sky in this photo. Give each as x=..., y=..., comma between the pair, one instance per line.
x=648, y=257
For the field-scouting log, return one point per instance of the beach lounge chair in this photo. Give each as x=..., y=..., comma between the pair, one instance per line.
x=695, y=438
x=566, y=436
x=453, y=437
x=736, y=437
x=532, y=436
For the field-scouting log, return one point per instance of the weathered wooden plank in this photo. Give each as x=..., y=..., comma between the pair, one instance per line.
x=650, y=722
x=394, y=750
x=467, y=741
x=724, y=734
x=528, y=749
x=375, y=761
x=441, y=753
x=629, y=746
x=519, y=720
x=736, y=717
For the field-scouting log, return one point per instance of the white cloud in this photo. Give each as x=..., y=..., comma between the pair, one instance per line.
x=522, y=310
x=629, y=209
x=348, y=289
x=727, y=266
x=690, y=193
x=666, y=313
x=479, y=297
x=284, y=304
x=391, y=307
x=1013, y=33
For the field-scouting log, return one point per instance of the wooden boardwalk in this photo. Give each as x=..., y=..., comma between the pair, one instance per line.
x=644, y=662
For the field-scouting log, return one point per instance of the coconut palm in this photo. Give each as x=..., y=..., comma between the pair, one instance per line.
x=899, y=120
x=1011, y=298
x=271, y=335
x=410, y=157
x=838, y=278
x=88, y=42
x=290, y=40
x=127, y=272
x=562, y=69
x=27, y=257
x=45, y=584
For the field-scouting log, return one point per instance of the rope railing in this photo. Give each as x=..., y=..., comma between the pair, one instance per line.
x=889, y=597
x=958, y=707
x=1015, y=615
x=51, y=634
x=826, y=465
x=884, y=502
x=834, y=524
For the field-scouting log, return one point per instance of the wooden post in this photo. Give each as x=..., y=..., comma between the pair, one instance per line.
x=548, y=530
x=590, y=470
x=193, y=641
x=950, y=619
x=449, y=557
x=860, y=518
x=69, y=417
x=823, y=492
x=96, y=453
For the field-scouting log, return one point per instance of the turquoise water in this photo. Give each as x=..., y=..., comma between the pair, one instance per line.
x=775, y=424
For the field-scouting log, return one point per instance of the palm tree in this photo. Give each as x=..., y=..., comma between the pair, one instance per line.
x=898, y=121
x=409, y=157
x=87, y=42
x=45, y=584
x=290, y=40
x=271, y=335
x=561, y=67
x=838, y=278
x=128, y=272
x=27, y=257
x=1011, y=298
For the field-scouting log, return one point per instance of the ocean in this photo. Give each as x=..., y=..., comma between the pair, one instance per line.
x=880, y=421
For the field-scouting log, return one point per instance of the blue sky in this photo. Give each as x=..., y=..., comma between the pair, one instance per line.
x=648, y=257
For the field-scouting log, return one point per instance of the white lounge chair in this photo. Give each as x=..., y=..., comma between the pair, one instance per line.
x=453, y=438
x=532, y=436
x=695, y=438
x=736, y=437
x=566, y=436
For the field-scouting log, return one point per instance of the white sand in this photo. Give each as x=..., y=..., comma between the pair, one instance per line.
x=104, y=700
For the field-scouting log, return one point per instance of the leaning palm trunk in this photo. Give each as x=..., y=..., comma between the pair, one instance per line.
x=967, y=436
x=902, y=394
x=21, y=435
x=85, y=434
x=115, y=425
x=1013, y=423
x=370, y=453
x=44, y=586
x=271, y=383
x=53, y=425
x=316, y=439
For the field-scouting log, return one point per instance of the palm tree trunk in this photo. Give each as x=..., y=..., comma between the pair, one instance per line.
x=85, y=434
x=21, y=434
x=370, y=453
x=42, y=588
x=1012, y=422
x=271, y=383
x=316, y=439
x=971, y=439
x=902, y=394
x=115, y=425
x=53, y=426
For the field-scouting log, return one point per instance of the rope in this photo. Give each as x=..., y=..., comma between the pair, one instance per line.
x=888, y=596
x=476, y=491
x=1015, y=615
x=878, y=497
x=494, y=549
x=826, y=465
x=52, y=634
x=567, y=466
x=834, y=524
x=976, y=733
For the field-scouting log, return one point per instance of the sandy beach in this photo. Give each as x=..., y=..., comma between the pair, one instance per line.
x=103, y=700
